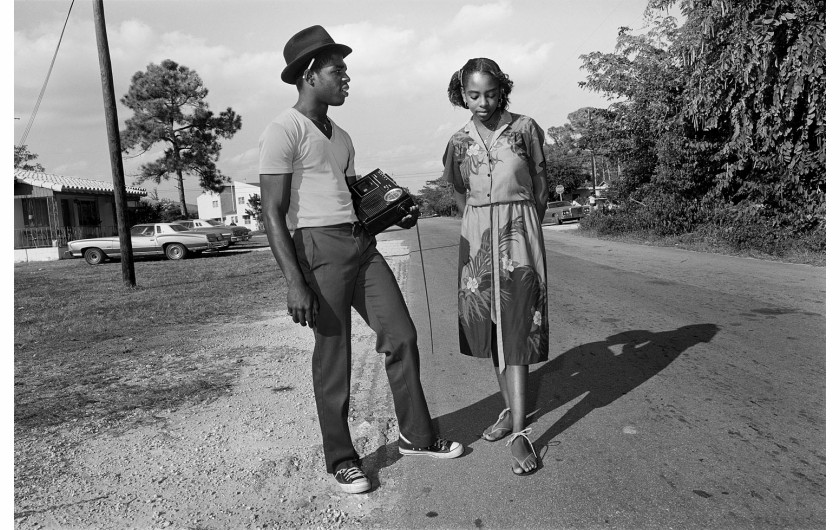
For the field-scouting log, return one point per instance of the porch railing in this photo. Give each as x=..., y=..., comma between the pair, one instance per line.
x=44, y=236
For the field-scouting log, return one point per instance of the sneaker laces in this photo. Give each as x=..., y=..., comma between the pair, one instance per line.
x=441, y=444
x=351, y=473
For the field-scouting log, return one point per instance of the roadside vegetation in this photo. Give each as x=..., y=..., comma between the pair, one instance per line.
x=88, y=349
x=715, y=139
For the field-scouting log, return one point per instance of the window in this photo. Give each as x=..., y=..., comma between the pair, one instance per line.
x=88, y=213
x=35, y=212
x=241, y=200
x=246, y=219
x=215, y=204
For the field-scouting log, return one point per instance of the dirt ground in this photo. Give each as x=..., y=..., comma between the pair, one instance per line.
x=250, y=459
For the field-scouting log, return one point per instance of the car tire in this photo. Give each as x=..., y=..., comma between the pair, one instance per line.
x=94, y=256
x=175, y=251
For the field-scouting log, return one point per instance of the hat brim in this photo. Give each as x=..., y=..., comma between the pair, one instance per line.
x=293, y=69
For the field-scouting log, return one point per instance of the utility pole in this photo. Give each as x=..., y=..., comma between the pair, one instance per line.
x=126, y=255
x=591, y=151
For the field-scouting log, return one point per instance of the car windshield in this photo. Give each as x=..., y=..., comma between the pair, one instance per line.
x=214, y=223
x=179, y=228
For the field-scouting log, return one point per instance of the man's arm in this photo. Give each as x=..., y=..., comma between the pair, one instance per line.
x=275, y=191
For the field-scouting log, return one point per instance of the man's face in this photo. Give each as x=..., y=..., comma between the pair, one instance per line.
x=331, y=83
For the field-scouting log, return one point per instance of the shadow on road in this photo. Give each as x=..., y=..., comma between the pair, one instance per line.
x=592, y=372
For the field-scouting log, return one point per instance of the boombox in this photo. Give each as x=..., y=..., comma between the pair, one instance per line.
x=379, y=202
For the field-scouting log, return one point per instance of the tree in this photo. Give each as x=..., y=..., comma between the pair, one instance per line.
x=436, y=197
x=644, y=80
x=755, y=80
x=587, y=135
x=155, y=210
x=23, y=157
x=169, y=107
x=254, y=209
x=564, y=167
x=727, y=112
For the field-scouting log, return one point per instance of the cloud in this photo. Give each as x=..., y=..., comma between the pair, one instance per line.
x=472, y=18
x=399, y=61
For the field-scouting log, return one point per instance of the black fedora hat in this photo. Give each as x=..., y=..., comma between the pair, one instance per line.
x=305, y=45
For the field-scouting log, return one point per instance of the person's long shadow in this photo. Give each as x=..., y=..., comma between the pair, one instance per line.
x=591, y=370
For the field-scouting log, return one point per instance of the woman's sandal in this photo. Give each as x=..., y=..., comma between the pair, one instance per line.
x=524, y=434
x=495, y=432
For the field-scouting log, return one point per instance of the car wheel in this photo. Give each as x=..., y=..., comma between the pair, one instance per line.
x=94, y=256
x=176, y=251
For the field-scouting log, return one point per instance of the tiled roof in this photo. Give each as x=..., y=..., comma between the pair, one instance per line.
x=70, y=184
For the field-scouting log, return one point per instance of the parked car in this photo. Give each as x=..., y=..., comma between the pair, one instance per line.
x=561, y=211
x=600, y=203
x=605, y=204
x=231, y=233
x=172, y=240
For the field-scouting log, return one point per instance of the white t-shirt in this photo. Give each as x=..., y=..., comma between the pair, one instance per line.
x=319, y=197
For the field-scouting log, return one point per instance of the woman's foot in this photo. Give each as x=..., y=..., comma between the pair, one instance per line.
x=500, y=429
x=525, y=458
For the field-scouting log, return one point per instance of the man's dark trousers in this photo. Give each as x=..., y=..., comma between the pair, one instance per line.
x=341, y=264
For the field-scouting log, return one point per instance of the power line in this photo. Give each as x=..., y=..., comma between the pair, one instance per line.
x=44, y=87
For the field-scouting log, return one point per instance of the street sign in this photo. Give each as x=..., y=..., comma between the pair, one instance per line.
x=559, y=190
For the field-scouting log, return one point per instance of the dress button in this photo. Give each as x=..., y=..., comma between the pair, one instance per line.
x=488, y=194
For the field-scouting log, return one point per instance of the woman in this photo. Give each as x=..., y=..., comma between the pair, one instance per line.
x=497, y=167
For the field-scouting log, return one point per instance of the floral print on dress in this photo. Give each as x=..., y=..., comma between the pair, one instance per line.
x=521, y=287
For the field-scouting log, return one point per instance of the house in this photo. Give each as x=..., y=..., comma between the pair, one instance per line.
x=52, y=209
x=229, y=206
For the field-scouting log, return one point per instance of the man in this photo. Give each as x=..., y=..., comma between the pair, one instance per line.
x=331, y=263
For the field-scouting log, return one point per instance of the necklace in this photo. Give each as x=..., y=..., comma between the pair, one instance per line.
x=490, y=130
x=324, y=126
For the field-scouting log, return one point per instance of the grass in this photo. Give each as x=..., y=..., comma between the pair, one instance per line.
x=89, y=348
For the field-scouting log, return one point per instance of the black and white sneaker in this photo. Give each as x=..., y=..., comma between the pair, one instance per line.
x=440, y=449
x=352, y=479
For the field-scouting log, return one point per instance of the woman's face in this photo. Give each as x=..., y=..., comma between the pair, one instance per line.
x=482, y=94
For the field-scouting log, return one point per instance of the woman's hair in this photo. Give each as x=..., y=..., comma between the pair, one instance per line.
x=487, y=66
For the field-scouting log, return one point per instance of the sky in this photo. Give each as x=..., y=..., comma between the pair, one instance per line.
x=404, y=53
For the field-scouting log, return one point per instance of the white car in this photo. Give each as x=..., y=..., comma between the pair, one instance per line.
x=172, y=240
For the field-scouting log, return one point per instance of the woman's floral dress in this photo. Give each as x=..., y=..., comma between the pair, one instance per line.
x=502, y=257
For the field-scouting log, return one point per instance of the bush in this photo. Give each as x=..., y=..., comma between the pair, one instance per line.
x=659, y=214
x=742, y=228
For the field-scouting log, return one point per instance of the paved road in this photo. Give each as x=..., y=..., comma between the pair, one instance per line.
x=683, y=390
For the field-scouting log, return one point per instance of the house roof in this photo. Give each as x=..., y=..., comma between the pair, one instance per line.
x=65, y=184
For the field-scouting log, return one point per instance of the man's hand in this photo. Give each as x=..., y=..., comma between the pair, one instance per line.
x=303, y=304
x=411, y=219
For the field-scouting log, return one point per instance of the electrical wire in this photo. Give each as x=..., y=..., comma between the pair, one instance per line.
x=46, y=81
